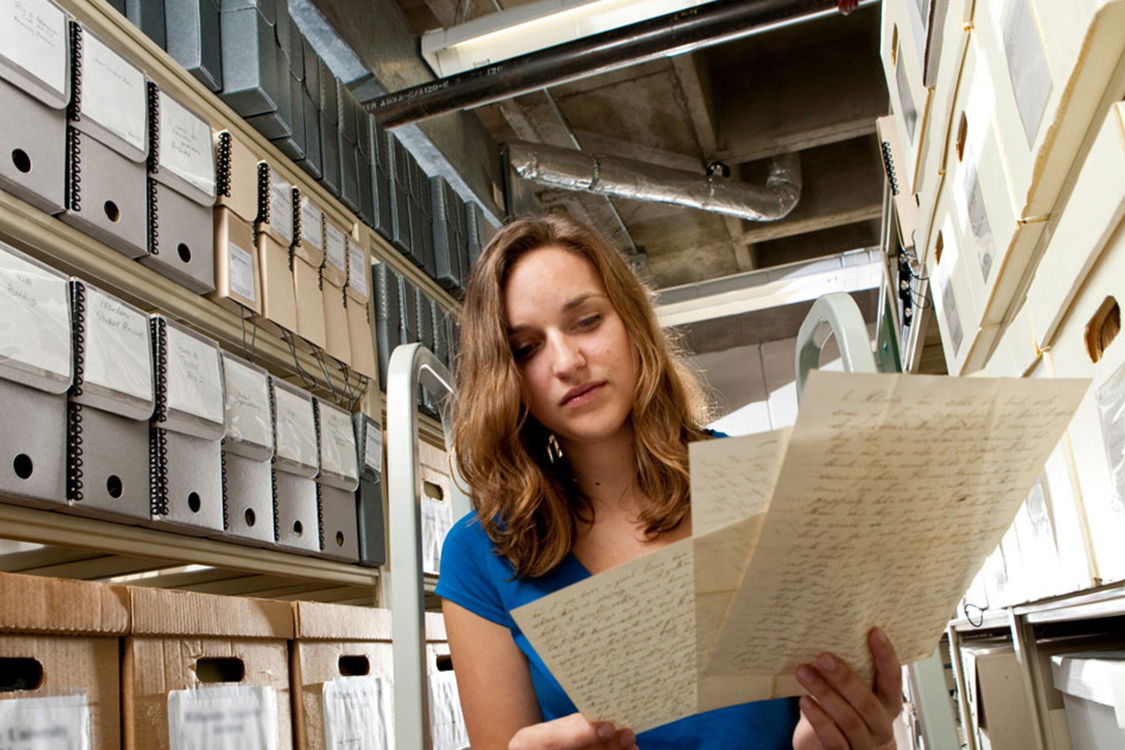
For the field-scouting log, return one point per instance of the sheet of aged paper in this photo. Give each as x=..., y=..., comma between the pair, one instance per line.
x=893, y=490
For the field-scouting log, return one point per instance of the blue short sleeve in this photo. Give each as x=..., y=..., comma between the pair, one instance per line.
x=469, y=566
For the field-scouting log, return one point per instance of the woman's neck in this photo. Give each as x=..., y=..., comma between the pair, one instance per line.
x=605, y=470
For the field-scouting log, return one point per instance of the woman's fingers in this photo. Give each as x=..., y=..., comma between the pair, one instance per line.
x=860, y=716
x=826, y=730
x=573, y=732
x=888, y=671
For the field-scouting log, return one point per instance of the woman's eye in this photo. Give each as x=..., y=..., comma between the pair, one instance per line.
x=522, y=352
x=589, y=321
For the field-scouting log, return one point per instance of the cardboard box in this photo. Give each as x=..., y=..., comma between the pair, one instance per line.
x=1056, y=69
x=1080, y=230
x=249, y=56
x=341, y=653
x=236, y=176
x=361, y=336
x=67, y=635
x=112, y=406
x=1015, y=353
x=35, y=374
x=238, y=278
x=188, y=651
x=1089, y=344
x=902, y=53
x=1000, y=712
x=194, y=41
x=1093, y=684
x=248, y=448
x=309, y=294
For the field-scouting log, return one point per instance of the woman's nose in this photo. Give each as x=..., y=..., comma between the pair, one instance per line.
x=567, y=355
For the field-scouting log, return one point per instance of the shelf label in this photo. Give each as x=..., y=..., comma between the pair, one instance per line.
x=53, y=723
x=358, y=270
x=186, y=145
x=337, y=442
x=335, y=246
x=247, y=404
x=118, y=349
x=222, y=718
x=281, y=206
x=241, y=266
x=358, y=714
x=195, y=380
x=33, y=38
x=296, y=429
x=34, y=319
x=113, y=92
x=373, y=447
x=312, y=221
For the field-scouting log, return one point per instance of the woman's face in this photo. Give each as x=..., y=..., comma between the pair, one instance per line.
x=578, y=367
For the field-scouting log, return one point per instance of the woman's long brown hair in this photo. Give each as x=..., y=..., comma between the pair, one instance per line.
x=521, y=487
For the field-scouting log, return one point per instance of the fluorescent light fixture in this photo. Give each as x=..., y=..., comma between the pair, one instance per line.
x=534, y=26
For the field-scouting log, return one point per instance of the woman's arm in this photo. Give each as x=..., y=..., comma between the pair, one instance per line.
x=498, y=698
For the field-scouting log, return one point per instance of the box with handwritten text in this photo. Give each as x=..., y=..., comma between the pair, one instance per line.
x=197, y=668
x=59, y=675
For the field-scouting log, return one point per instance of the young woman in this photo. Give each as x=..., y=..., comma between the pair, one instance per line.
x=572, y=425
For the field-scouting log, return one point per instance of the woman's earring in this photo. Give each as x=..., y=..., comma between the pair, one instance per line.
x=554, y=450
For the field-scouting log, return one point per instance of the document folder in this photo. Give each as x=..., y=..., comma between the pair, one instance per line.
x=369, y=513
x=337, y=482
x=295, y=464
x=247, y=453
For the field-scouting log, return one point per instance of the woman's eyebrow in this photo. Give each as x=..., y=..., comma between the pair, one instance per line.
x=576, y=302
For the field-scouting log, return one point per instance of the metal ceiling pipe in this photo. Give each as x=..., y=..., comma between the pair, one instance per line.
x=624, y=178
x=675, y=33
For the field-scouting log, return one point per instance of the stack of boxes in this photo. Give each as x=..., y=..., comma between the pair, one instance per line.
x=1009, y=138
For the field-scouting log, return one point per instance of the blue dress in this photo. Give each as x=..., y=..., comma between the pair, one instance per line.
x=476, y=578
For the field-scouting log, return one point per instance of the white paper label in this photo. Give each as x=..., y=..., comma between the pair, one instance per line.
x=118, y=354
x=186, y=145
x=437, y=520
x=335, y=246
x=113, y=92
x=241, y=265
x=195, y=384
x=222, y=718
x=281, y=207
x=1028, y=71
x=358, y=270
x=247, y=404
x=34, y=317
x=296, y=430
x=33, y=37
x=337, y=442
x=53, y=723
x=447, y=724
x=373, y=447
x=358, y=714
x=312, y=221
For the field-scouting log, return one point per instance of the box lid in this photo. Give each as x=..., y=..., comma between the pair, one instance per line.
x=1097, y=676
x=188, y=613
x=341, y=622
x=34, y=50
x=34, y=604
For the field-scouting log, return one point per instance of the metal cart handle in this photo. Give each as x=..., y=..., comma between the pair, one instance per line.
x=412, y=365
x=840, y=312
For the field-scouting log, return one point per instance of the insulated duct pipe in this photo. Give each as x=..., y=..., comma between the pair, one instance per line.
x=624, y=178
x=672, y=34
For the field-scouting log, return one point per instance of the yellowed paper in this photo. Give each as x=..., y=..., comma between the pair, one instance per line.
x=891, y=492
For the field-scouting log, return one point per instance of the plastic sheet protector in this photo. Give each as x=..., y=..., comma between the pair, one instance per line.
x=358, y=270
x=281, y=206
x=33, y=42
x=358, y=714
x=34, y=324
x=312, y=220
x=186, y=146
x=337, y=444
x=247, y=404
x=113, y=93
x=241, y=265
x=373, y=447
x=336, y=249
x=118, y=348
x=52, y=723
x=195, y=378
x=223, y=718
x=883, y=503
x=296, y=430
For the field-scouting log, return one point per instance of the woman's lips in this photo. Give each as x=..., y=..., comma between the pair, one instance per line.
x=582, y=395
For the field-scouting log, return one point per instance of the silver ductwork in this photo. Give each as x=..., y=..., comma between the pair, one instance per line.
x=565, y=169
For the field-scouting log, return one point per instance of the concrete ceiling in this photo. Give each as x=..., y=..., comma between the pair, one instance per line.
x=815, y=88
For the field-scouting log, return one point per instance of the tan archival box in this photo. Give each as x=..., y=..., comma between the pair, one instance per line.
x=361, y=335
x=59, y=659
x=203, y=665
x=341, y=665
x=238, y=278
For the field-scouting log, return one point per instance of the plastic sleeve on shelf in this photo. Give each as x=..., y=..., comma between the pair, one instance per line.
x=247, y=404
x=35, y=337
x=195, y=379
x=295, y=429
x=118, y=350
x=185, y=146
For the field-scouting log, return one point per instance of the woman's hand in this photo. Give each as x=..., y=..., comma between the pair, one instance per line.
x=840, y=712
x=573, y=733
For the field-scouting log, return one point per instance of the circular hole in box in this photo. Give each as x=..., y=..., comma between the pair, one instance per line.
x=193, y=502
x=23, y=466
x=251, y=519
x=114, y=486
x=112, y=212
x=21, y=160
x=339, y=539
x=185, y=252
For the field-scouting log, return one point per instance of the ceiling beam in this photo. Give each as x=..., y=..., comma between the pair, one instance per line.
x=796, y=137
x=777, y=230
